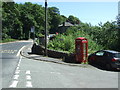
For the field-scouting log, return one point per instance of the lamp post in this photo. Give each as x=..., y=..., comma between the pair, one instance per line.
x=45, y=27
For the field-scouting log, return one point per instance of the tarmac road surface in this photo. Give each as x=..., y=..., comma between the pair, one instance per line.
x=39, y=74
x=9, y=59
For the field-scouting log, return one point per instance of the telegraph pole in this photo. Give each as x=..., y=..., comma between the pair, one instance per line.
x=45, y=27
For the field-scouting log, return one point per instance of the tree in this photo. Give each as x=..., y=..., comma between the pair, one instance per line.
x=10, y=22
x=73, y=20
x=64, y=18
x=106, y=34
x=53, y=10
x=118, y=23
x=0, y=19
x=55, y=19
x=31, y=15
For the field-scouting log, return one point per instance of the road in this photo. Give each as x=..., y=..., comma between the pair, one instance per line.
x=38, y=74
x=21, y=72
x=10, y=59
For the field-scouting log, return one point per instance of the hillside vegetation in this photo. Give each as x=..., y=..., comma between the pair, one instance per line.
x=17, y=20
x=99, y=37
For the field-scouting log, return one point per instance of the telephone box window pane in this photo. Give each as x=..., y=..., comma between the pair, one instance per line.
x=84, y=51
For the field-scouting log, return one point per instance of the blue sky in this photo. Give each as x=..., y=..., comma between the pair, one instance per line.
x=93, y=12
x=90, y=12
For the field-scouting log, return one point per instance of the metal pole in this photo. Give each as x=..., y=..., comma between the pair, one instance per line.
x=45, y=27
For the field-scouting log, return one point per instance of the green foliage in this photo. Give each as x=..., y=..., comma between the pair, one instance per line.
x=54, y=18
x=73, y=20
x=0, y=9
x=18, y=19
x=53, y=10
x=100, y=37
x=7, y=40
x=105, y=35
x=66, y=42
x=118, y=23
x=10, y=22
x=62, y=43
x=31, y=15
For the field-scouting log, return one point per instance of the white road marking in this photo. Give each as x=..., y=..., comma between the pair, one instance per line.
x=17, y=68
x=19, y=61
x=18, y=64
x=17, y=71
x=55, y=73
x=20, y=51
x=28, y=77
x=28, y=72
x=28, y=84
x=8, y=51
x=16, y=76
x=14, y=84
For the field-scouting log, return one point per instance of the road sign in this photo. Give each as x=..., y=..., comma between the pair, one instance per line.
x=32, y=29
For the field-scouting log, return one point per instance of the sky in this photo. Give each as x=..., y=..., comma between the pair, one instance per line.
x=87, y=12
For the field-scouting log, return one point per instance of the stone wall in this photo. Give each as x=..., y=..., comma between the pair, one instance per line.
x=38, y=49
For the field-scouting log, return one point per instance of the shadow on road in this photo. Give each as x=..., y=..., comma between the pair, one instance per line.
x=103, y=68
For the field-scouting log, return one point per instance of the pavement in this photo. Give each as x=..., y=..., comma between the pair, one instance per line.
x=26, y=52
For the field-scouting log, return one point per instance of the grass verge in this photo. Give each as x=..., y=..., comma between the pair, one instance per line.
x=7, y=40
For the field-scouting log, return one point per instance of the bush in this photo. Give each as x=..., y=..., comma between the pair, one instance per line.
x=66, y=42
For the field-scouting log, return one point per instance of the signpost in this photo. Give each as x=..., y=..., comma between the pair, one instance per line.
x=32, y=29
x=33, y=33
x=45, y=27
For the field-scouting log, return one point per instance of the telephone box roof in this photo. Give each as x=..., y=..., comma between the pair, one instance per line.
x=81, y=38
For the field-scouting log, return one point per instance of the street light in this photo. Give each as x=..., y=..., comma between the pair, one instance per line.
x=45, y=27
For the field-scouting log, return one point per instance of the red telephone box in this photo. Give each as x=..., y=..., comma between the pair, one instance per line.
x=81, y=48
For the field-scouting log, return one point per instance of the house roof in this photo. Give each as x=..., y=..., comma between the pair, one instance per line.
x=66, y=24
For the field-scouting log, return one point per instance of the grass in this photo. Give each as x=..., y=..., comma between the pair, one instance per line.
x=7, y=40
